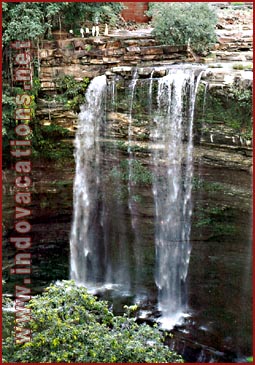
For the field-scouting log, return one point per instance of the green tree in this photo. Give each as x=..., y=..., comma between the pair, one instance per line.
x=182, y=23
x=70, y=325
x=34, y=20
x=23, y=21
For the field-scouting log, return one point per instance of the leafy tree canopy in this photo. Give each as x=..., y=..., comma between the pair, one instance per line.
x=70, y=325
x=178, y=23
x=26, y=20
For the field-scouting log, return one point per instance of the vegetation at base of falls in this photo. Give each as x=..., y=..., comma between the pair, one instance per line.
x=123, y=146
x=231, y=106
x=70, y=325
x=7, y=316
x=216, y=218
x=135, y=173
x=47, y=142
x=72, y=91
x=198, y=184
x=134, y=170
x=184, y=23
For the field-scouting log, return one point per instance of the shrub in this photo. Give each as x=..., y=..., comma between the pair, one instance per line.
x=180, y=23
x=139, y=173
x=73, y=91
x=48, y=142
x=240, y=66
x=70, y=325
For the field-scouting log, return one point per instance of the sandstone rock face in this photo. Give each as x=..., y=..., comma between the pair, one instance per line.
x=54, y=112
x=235, y=35
x=90, y=57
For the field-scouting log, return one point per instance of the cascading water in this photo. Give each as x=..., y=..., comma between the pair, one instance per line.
x=113, y=246
x=85, y=256
x=150, y=91
x=172, y=185
x=130, y=153
x=95, y=259
x=131, y=191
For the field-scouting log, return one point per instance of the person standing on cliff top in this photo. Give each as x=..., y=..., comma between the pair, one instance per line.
x=82, y=32
x=96, y=27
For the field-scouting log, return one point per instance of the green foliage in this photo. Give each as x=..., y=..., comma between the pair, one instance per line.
x=28, y=20
x=79, y=13
x=47, y=142
x=132, y=172
x=73, y=91
x=198, y=184
x=88, y=47
x=70, y=325
x=244, y=99
x=7, y=317
x=180, y=23
x=123, y=146
x=22, y=21
x=216, y=218
x=240, y=66
x=232, y=106
x=139, y=173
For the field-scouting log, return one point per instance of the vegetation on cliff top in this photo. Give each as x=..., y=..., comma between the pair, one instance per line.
x=26, y=20
x=184, y=23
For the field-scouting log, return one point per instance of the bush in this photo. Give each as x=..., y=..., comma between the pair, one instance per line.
x=139, y=173
x=180, y=23
x=240, y=66
x=72, y=91
x=48, y=142
x=70, y=325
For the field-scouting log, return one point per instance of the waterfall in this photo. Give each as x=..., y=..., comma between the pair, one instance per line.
x=172, y=183
x=85, y=255
x=206, y=84
x=132, y=88
x=113, y=93
x=150, y=91
x=106, y=254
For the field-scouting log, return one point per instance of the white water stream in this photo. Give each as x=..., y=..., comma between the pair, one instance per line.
x=172, y=134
